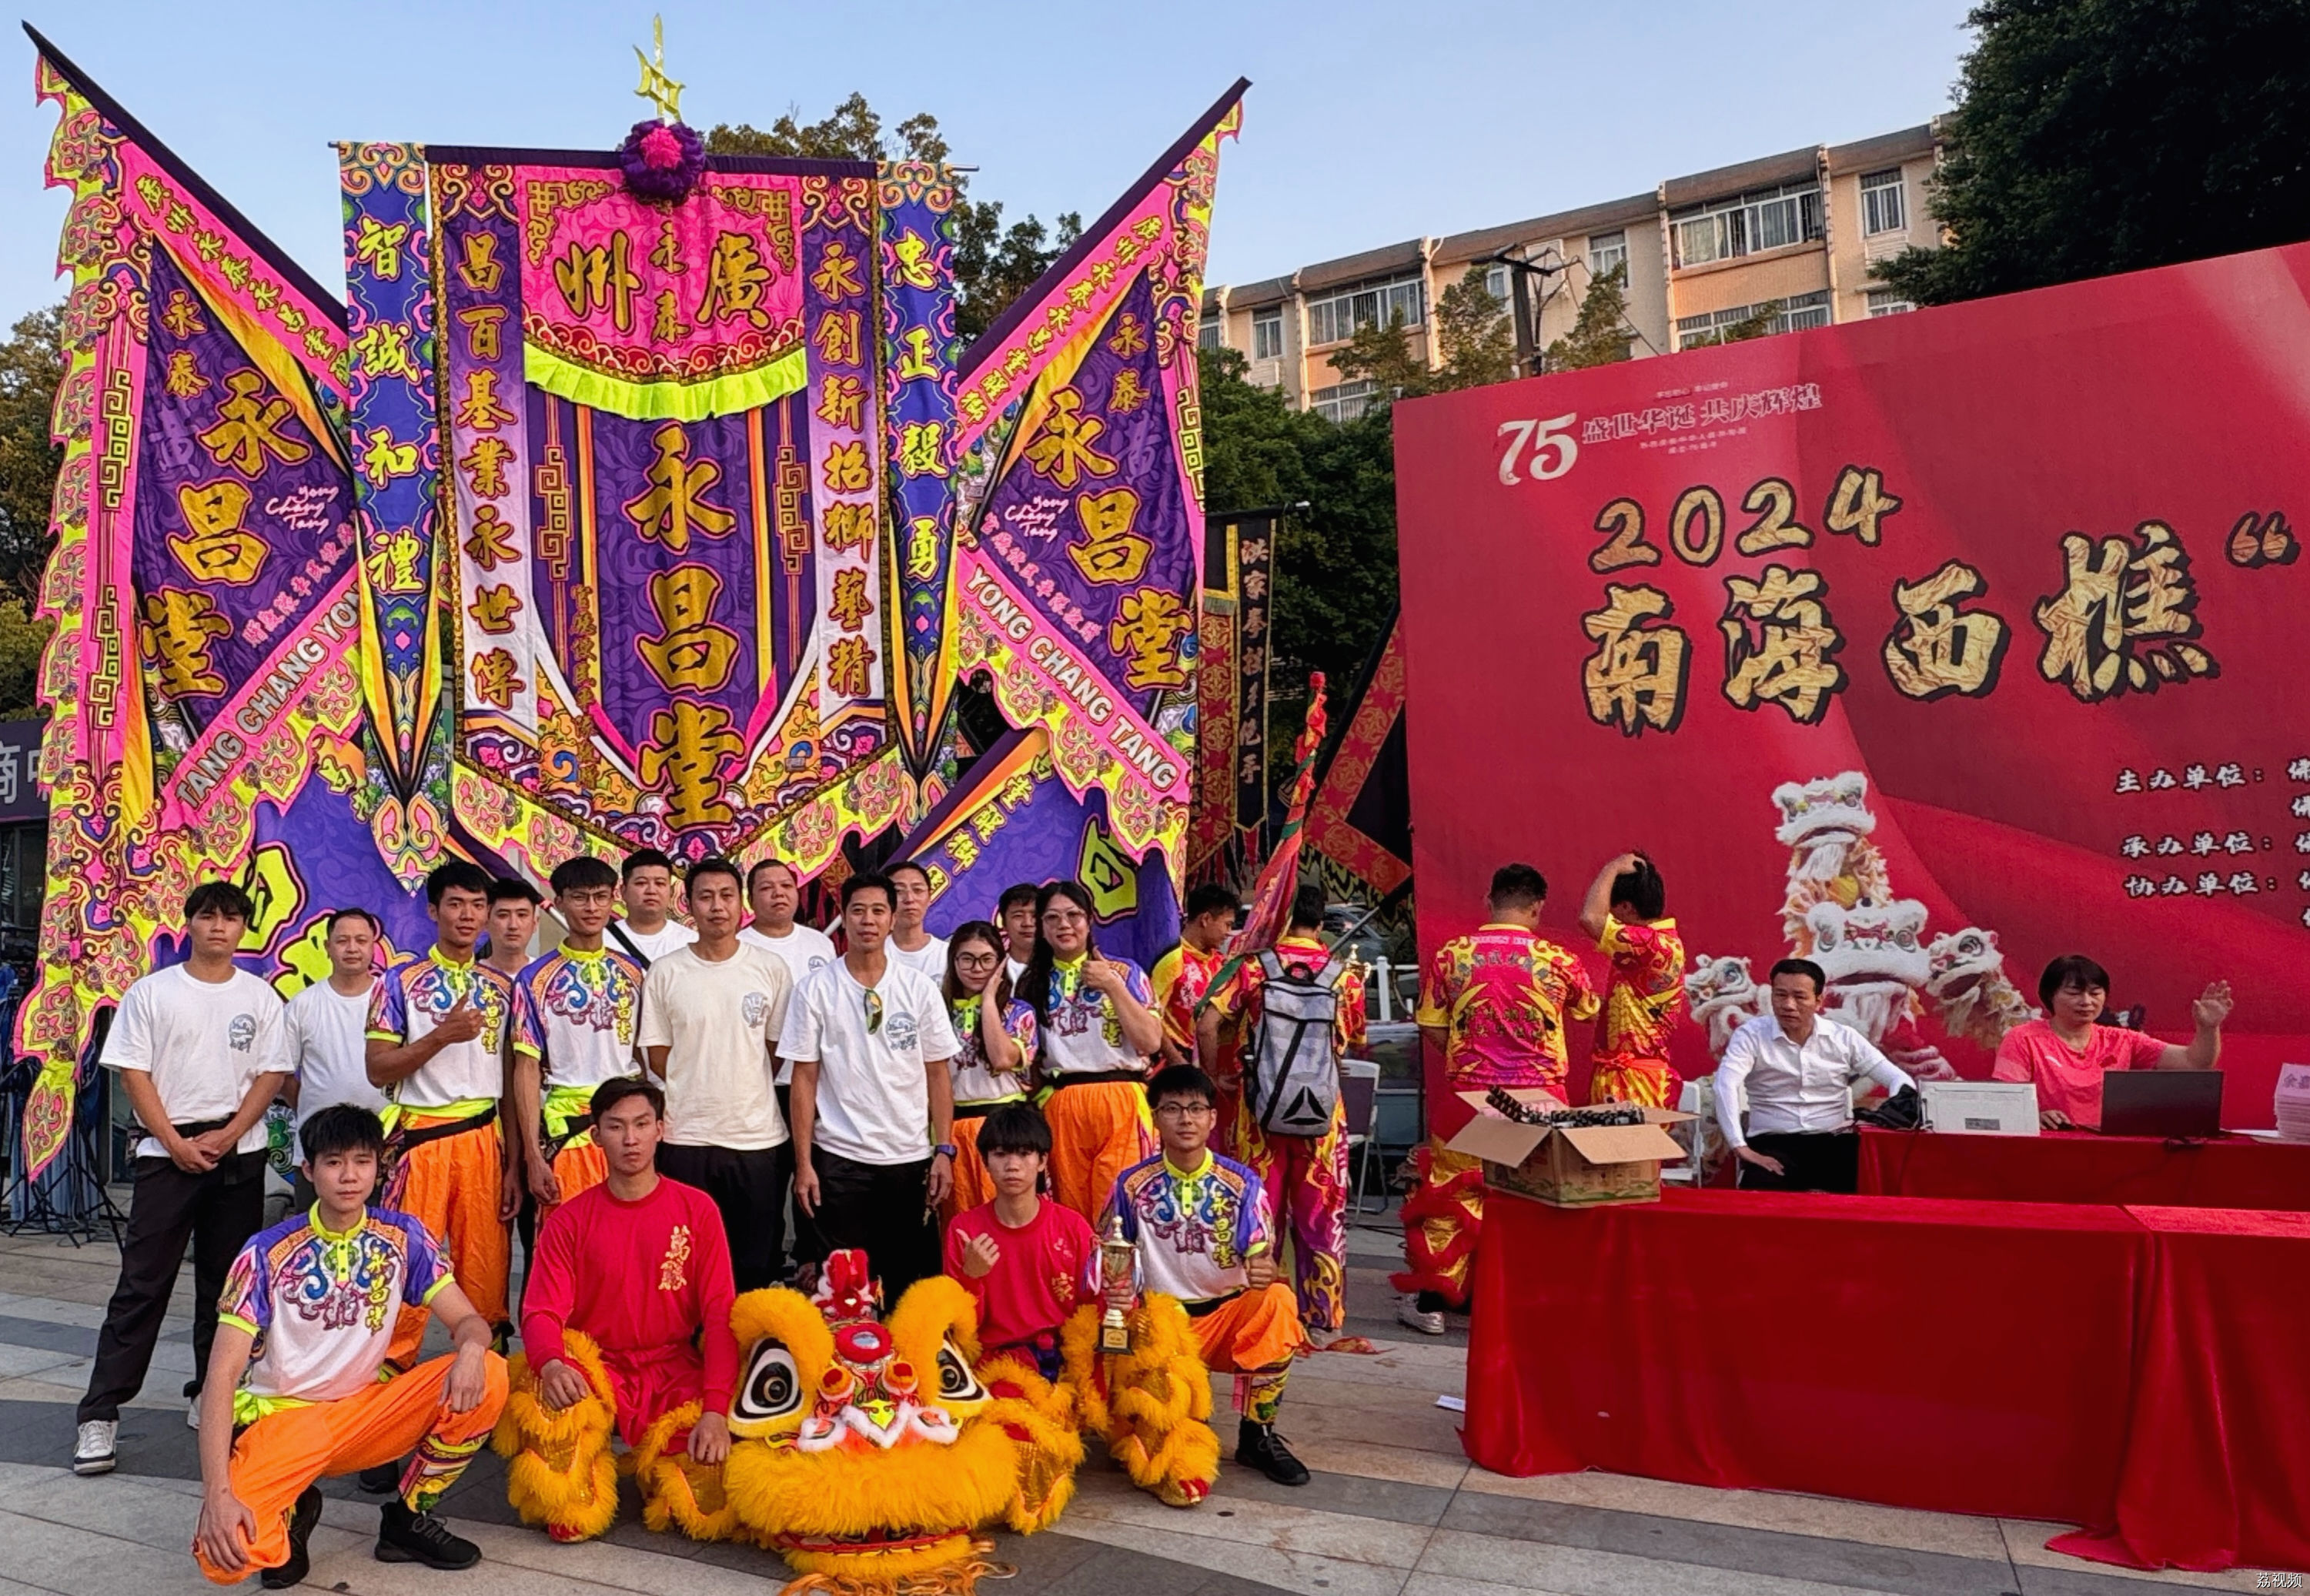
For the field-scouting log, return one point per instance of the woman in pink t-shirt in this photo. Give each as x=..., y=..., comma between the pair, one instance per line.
x=2066, y=1053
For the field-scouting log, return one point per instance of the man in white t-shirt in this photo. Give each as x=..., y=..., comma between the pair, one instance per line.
x=910, y=944
x=710, y=1019
x=328, y=1053
x=873, y=1107
x=1015, y=914
x=199, y=1049
x=776, y=893
x=647, y=934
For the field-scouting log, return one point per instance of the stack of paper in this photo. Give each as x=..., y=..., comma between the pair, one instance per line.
x=2293, y=1103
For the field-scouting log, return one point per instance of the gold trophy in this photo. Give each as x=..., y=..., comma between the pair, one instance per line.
x=1117, y=1288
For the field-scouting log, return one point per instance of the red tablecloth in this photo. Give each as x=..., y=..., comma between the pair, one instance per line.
x=2026, y=1360
x=2218, y=1450
x=2081, y=1167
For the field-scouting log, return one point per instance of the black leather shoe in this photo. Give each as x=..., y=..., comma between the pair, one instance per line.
x=406, y=1537
x=1258, y=1446
x=301, y=1519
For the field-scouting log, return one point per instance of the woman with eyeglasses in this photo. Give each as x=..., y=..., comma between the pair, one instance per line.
x=1098, y=1029
x=997, y=1033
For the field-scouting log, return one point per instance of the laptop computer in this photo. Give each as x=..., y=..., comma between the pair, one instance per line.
x=2161, y=1103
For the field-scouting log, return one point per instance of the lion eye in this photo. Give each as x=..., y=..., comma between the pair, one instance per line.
x=772, y=1388
x=956, y=1383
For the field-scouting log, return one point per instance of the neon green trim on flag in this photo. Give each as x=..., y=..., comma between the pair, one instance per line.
x=732, y=395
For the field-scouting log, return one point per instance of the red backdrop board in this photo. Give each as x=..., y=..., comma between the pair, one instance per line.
x=1935, y=645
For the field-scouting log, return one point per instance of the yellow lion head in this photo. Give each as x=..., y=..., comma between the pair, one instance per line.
x=869, y=1449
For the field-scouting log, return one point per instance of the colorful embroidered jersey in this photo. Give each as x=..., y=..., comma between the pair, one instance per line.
x=1644, y=998
x=413, y=997
x=1180, y=979
x=974, y=1081
x=576, y=1012
x=1502, y=995
x=1193, y=1229
x=322, y=1306
x=1236, y=998
x=1083, y=1036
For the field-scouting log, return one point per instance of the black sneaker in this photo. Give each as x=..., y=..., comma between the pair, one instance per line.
x=1258, y=1446
x=406, y=1537
x=301, y=1519
x=382, y=1480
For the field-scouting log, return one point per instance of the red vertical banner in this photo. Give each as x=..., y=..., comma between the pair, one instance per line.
x=1930, y=647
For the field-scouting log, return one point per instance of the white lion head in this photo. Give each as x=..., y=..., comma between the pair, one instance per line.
x=1823, y=817
x=1958, y=961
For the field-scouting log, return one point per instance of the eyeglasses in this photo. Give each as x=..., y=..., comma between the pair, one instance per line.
x=976, y=961
x=874, y=1011
x=1186, y=1111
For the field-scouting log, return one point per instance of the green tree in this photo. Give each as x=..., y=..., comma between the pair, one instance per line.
x=1600, y=332
x=1755, y=324
x=1476, y=336
x=993, y=265
x=1383, y=357
x=31, y=365
x=21, y=641
x=1334, y=562
x=2093, y=136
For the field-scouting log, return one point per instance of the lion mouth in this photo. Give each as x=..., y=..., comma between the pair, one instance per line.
x=864, y=1541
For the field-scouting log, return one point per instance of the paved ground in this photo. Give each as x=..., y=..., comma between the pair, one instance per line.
x=1394, y=1509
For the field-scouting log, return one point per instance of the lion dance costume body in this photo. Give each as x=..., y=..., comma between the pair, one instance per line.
x=869, y=1449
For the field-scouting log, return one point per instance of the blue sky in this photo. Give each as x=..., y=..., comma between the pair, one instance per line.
x=1365, y=123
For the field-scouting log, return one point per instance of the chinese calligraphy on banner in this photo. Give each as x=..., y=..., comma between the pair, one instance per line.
x=1930, y=647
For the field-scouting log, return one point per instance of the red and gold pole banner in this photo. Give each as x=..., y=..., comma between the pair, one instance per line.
x=1930, y=647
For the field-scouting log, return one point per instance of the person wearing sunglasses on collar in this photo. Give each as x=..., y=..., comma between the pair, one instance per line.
x=873, y=1106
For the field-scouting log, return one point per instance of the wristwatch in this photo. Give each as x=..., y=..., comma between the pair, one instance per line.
x=944, y=1147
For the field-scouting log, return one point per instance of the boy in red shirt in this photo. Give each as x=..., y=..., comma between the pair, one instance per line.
x=1028, y=1261
x=626, y=1321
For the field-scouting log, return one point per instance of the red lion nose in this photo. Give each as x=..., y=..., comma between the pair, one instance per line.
x=863, y=1342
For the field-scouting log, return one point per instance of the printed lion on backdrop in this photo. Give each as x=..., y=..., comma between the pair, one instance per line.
x=1883, y=966
x=1969, y=985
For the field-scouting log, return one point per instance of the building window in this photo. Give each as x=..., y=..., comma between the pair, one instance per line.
x=1334, y=319
x=1495, y=283
x=1887, y=301
x=1344, y=403
x=1790, y=315
x=1207, y=336
x=1883, y=209
x=1768, y=219
x=1607, y=253
x=1267, y=333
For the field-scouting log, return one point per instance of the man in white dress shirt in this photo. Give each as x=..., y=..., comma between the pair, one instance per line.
x=910, y=944
x=1798, y=1067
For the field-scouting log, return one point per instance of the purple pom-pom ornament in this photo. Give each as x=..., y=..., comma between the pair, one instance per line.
x=662, y=161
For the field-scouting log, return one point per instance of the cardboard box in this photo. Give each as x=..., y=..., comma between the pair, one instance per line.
x=1572, y=1165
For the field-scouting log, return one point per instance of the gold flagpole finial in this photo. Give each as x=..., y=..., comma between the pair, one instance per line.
x=659, y=89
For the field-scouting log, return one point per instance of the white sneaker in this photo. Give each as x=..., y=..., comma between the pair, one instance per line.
x=193, y=1411
x=1408, y=1314
x=92, y=1452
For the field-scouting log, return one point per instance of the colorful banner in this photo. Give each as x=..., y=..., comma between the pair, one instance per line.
x=1932, y=647
x=665, y=481
x=919, y=350
x=1012, y=820
x=1079, y=534
x=1359, y=820
x=208, y=717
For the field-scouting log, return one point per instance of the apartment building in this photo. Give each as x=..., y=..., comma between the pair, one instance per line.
x=1800, y=232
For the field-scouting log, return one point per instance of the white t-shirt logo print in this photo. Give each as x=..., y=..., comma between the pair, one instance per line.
x=756, y=1008
x=241, y=1032
x=900, y=1027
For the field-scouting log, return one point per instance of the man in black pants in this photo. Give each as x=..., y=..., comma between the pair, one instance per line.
x=200, y=1048
x=709, y=1028
x=873, y=1106
x=1797, y=1068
